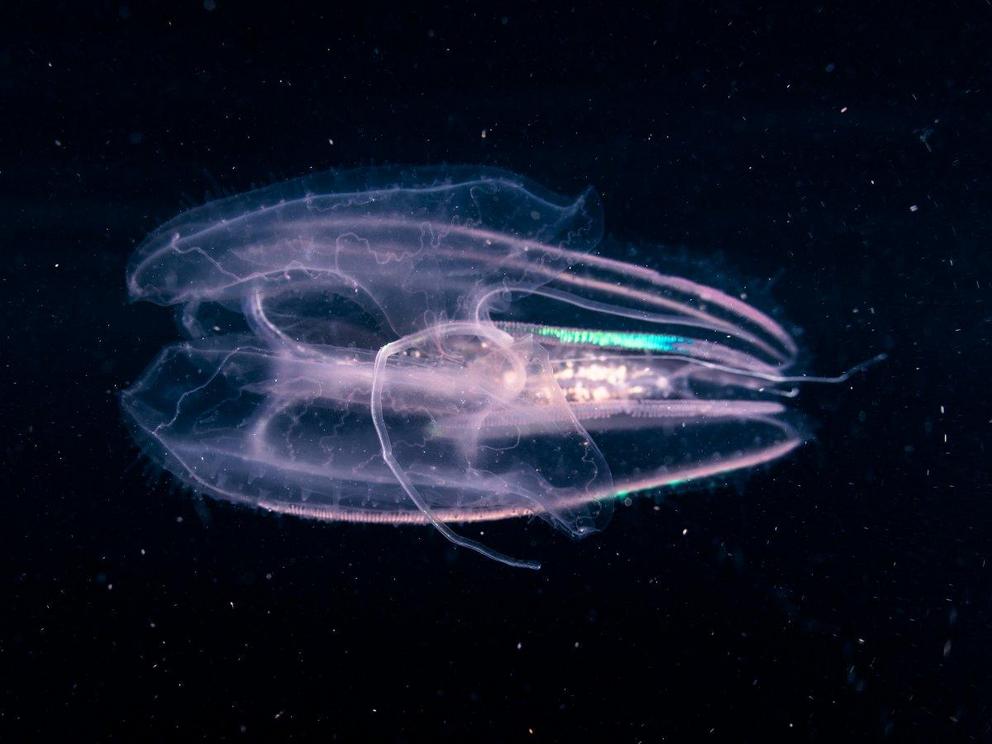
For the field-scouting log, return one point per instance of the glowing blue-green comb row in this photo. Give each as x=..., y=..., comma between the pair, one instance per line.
x=606, y=339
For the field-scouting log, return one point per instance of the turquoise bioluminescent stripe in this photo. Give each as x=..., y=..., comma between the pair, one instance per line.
x=621, y=495
x=612, y=339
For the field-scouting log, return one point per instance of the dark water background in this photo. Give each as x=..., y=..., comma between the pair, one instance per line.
x=831, y=160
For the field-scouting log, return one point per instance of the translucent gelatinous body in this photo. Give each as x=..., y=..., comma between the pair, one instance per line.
x=440, y=347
